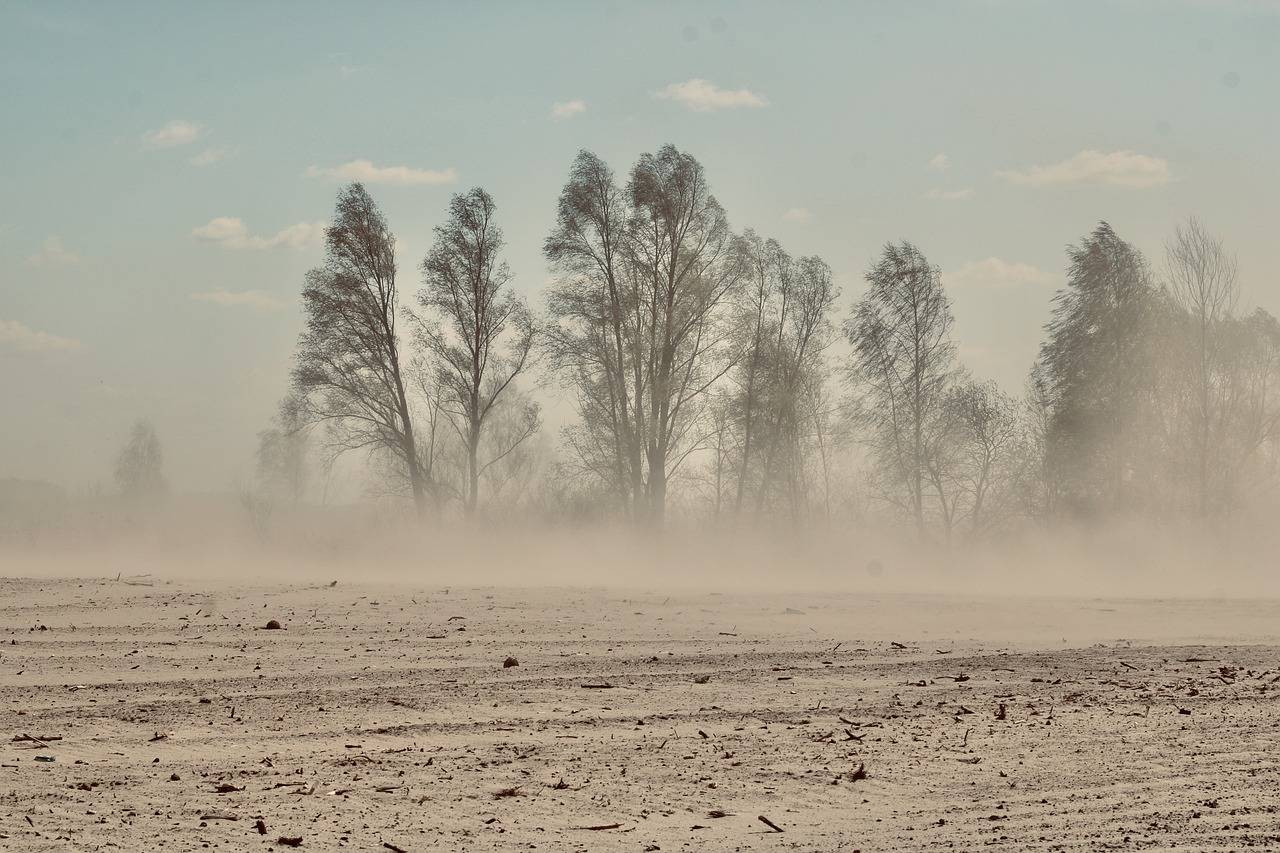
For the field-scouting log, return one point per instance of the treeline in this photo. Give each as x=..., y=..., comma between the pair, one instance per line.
x=704, y=373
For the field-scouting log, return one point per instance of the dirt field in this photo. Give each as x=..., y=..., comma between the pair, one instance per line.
x=382, y=717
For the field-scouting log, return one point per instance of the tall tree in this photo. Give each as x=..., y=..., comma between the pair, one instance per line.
x=640, y=304
x=805, y=296
x=903, y=364
x=486, y=337
x=1202, y=278
x=348, y=371
x=1099, y=364
x=140, y=466
x=594, y=343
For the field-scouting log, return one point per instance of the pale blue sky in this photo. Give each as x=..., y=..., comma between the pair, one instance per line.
x=125, y=127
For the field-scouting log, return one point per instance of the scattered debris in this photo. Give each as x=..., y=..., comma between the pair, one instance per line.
x=290, y=841
x=220, y=816
x=510, y=662
x=42, y=739
x=770, y=823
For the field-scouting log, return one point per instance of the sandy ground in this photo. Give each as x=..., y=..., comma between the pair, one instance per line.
x=382, y=717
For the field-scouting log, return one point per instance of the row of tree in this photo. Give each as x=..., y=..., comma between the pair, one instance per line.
x=700, y=364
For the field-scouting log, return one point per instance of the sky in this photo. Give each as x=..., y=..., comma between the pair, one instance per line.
x=168, y=168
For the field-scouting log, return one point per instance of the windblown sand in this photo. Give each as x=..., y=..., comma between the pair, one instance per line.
x=382, y=717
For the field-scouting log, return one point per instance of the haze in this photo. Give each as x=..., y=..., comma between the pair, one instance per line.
x=639, y=426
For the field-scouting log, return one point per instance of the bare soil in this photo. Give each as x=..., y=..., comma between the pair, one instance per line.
x=165, y=716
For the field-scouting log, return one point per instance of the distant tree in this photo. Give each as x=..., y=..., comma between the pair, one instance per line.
x=903, y=367
x=1202, y=278
x=1040, y=478
x=282, y=457
x=805, y=296
x=594, y=342
x=1099, y=365
x=781, y=329
x=1247, y=447
x=485, y=338
x=140, y=466
x=976, y=473
x=764, y=263
x=641, y=331
x=348, y=370
x=681, y=259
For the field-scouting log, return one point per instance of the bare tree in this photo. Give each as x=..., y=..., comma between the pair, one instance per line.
x=594, y=343
x=348, y=370
x=805, y=296
x=1202, y=278
x=1249, y=439
x=140, y=466
x=903, y=365
x=487, y=335
x=680, y=255
x=282, y=463
x=975, y=474
x=763, y=263
x=639, y=307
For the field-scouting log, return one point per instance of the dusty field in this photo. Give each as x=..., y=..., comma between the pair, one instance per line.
x=382, y=717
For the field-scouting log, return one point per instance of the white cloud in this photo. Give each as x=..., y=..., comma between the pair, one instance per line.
x=797, y=214
x=255, y=299
x=1118, y=168
x=703, y=96
x=231, y=233
x=996, y=274
x=950, y=195
x=53, y=254
x=176, y=132
x=940, y=163
x=209, y=156
x=365, y=172
x=568, y=109
x=15, y=337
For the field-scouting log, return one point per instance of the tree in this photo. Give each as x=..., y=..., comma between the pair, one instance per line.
x=903, y=365
x=781, y=329
x=487, y=335
x=1247, y=444
x=282, y=468
x=640, y=326
x=348, y=364
x=1202, y=278
x=976, y=474
x=764, y=262
x=140, y=466
x=1099, y=367
x=805, y=296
